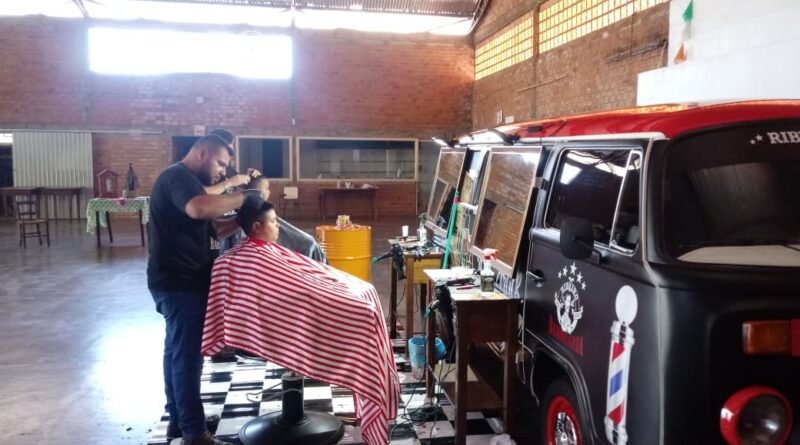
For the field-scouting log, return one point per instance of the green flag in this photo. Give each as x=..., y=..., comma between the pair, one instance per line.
x=688, y=13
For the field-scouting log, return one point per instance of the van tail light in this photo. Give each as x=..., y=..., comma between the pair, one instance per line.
x=776, y=337
x=756, y=415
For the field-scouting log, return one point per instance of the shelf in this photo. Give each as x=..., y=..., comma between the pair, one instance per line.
x=480, y=395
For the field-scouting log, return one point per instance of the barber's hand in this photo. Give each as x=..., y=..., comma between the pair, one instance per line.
x=238, y=180
x=252, y=198
x=253, y=173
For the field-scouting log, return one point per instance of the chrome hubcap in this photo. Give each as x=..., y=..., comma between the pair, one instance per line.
x=566, y=433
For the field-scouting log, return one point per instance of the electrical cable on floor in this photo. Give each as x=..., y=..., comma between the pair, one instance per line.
x=419, y=415
x=261, y=393
x=397, y=304
x=274, y=396
x=438, y=403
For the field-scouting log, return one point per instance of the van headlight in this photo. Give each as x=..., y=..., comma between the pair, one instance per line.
x=756, y=415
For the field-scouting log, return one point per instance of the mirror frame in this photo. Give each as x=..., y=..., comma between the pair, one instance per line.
x=430, y=220
x=501, y=266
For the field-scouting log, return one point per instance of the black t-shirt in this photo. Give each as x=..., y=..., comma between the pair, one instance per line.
x=180, y=249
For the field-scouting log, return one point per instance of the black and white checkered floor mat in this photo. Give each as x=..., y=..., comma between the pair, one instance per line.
x=233, y=391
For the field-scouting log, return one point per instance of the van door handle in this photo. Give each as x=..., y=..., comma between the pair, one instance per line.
x=538, y=276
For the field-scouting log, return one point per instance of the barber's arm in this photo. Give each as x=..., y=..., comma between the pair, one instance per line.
x=211, y=206
x=225, y=227
x=234, y=181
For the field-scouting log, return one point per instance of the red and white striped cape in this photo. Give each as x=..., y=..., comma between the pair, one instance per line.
x=309, y=318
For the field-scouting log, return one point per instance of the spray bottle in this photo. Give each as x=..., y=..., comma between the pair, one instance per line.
x=422, y=232
x=487, y=275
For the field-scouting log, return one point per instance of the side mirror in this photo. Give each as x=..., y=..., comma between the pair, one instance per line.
x=577, y=238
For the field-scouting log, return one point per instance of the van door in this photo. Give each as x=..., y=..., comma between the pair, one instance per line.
x=583, y=312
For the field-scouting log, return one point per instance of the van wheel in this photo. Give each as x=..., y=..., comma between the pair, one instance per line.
x=561, y=425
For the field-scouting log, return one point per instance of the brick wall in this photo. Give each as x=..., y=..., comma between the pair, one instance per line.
x=345, y=84
x=148, y=153
x=596, y=72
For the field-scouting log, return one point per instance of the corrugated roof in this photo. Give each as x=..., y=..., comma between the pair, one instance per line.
x=447, y=8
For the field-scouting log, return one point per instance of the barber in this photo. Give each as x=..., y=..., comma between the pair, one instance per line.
x=179, y=273
x=231, y=179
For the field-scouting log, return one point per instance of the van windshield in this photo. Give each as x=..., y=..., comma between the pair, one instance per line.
x=732, y=196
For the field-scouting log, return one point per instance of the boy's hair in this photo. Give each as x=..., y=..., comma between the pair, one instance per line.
x=248, y=215
x=256, y=182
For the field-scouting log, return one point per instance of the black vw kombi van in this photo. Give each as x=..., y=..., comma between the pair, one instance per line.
x=662, y=285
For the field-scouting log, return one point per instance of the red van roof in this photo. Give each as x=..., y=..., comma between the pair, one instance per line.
x=671, y=120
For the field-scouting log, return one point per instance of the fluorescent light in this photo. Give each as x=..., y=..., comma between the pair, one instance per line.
x=153, y=52
x=6, y=138
x=442, y=142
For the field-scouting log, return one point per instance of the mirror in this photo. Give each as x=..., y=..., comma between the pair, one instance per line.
x=472, y=179
x=504, y=204
x=577, y=238
x=445, y=182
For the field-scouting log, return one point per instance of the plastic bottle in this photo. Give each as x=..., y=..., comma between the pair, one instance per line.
x=422, y=232
x=487, y=275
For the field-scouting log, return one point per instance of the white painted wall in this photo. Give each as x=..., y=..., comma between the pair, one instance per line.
x=739, y=49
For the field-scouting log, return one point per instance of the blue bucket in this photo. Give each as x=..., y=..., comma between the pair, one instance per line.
x=416, y=350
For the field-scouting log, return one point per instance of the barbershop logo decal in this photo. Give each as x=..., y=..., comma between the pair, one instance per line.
x=568, y=303
x=776, y=137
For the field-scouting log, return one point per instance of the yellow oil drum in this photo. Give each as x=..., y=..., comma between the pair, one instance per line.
x=348, y=249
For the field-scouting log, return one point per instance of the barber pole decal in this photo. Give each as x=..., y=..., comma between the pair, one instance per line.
x=619, y=365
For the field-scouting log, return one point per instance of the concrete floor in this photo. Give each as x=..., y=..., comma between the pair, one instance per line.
x=80, y=340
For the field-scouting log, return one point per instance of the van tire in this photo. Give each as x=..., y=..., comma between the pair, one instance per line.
x=560, y=422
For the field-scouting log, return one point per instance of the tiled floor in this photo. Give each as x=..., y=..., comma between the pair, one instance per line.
x=233, y=391
x=78, y=327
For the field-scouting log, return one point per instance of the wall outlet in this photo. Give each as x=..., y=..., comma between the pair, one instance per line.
x=499, y=117
x=508, y=119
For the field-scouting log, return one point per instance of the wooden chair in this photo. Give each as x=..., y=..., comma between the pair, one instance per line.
x=289, y=194
x=28, y=216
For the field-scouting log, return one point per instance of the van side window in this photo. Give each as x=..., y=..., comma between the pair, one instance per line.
x=626, y=225
x=587, y=185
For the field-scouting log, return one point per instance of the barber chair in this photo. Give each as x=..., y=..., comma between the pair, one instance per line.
x=292, y=425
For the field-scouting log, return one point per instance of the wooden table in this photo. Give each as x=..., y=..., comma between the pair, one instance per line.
x=98, y=210
x=477, y=319
x=414, y=266
x=30, y=193
x=326, y=193
x=69, y=192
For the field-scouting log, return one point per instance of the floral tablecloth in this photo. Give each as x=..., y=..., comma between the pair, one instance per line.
x=119, y=205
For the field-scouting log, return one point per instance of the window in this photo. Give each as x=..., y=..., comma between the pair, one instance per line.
x=735, y=189
x=505, y=48
x=153, y=52
x=626, y=233
x=377, y=159
x=271, y=156
x=561, y=21
x=589, y=184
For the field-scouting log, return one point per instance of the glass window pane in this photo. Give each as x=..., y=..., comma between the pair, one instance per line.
x=271, y=156
x=587, y=186
x=356, y=159
x=626, y=230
